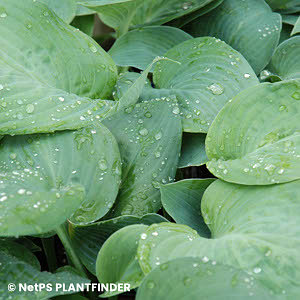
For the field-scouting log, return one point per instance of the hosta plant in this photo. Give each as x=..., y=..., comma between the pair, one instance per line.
x=150, y=143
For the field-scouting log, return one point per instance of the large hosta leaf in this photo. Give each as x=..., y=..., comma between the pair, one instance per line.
x=139, y=47
x=18, y=265
x=248, y=26
x=254, y=229
x=182, y=201
x=40, y=176
x=193, y=150
x=149, y=138
x=65, y=9
x=255, y=139
x=117, y=261
x=88, y=239
x=286, y=59
x=209, y=74
x=123, y=14
x=47, y=71
x=191, y=278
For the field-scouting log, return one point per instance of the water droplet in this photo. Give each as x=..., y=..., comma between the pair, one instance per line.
x=282, y=108
x=205, y=259
x=148, y=114
x=93, y=48
x=247, y=76
x=150, y=284
x=143, y=236
x=21, y=191
x=158, y=136
x=102, y=164
x=216, y=89
x=30, y=108
x=187, y=281
x=176, y=110
x=13, y=155
x=143, y=132
x=257, y=270
x=296, y=96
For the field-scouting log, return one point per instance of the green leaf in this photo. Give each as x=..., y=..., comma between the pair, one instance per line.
x=209, y=74
x=289, y=19
x=65, y=9
x=17, y=267
x=285, y=61
x=46, y=80
x=180, y=22
x=123, y=14
x=85, y=24
x=149, y=138
x=88, y=239
x=139, y=47
x=117, y=261
x=253, y=229
x=287, y=6
x=193, y=150
x=191, y=278
x=296, y=28
x=255, y=139
x=250, y=27
x=125, y=81
x=182, y=201
x=44, y=179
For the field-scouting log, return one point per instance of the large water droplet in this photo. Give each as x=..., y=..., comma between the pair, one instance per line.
x=216, y=89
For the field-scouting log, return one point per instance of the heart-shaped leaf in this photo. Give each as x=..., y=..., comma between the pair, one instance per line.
x=18, y=266
x=209, y=74
x=65, y=9
x=193, y=150
x=139, y=47
x=41, y=174
x=253, y=229
x=285, y=61
x=45, y=79
x=191, y=278
x=123, y=14
x=255, y=139
x=88, y=239
x=182, y=201
x=248, y=26
x=117, y=261
x=149, y=138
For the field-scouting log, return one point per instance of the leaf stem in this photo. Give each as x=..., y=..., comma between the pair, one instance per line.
x=64, y=237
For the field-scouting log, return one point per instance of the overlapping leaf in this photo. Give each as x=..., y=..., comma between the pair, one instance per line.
x=117, y=261
x=65, y=9
x=285, y=61
x=286, y=6
x=209, y=74
x=44, y=85
x=123, y=14
x=149, y=138
x=139, y=47
x=254, y=229
x=44, y=179
x=191, y=278
x=193, y=150
x=88, y=239
x=182, y=201
x=255, y=139
x=248, y=26
x=18, y=265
